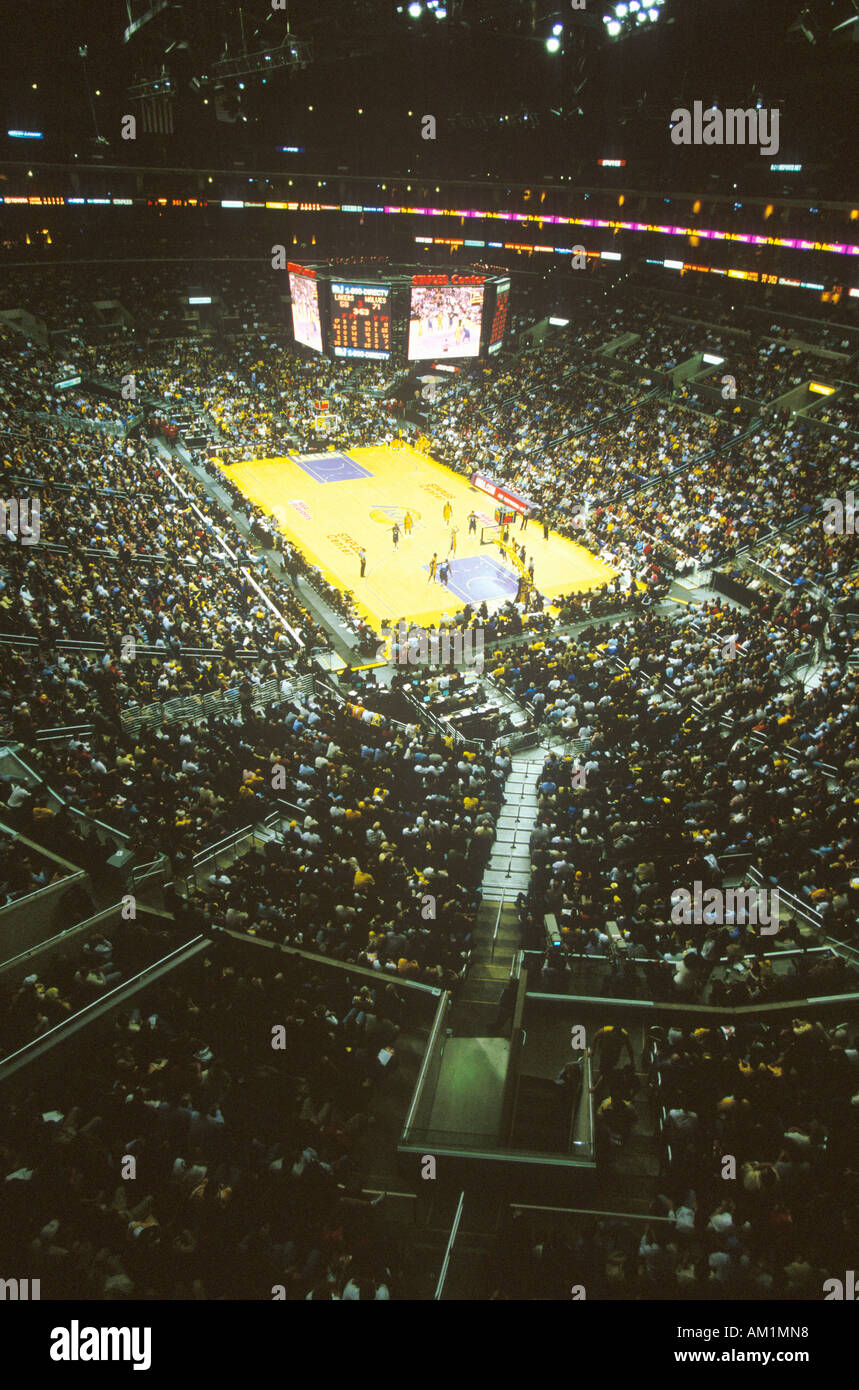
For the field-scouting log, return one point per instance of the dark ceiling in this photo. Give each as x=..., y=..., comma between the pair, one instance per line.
x=485, y=61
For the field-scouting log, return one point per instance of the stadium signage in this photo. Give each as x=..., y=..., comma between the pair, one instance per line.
x=501, y=494
x=448, y=279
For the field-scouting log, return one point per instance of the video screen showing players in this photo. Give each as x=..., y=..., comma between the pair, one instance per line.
x=305, y=306
x=360, y=320
x=445, y=321
x=499, y=317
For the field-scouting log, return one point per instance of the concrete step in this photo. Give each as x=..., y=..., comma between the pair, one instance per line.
x=507, y=836
x=514, y=883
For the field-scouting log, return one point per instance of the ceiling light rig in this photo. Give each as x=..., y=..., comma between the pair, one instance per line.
x=630, y=16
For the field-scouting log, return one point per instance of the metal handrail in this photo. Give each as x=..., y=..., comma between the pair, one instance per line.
x=497, y=924
x=74, y=877
x=99, y=1002
x=450, y=1244
x=78, y=928
x=591, y=1211
x=431, y=1040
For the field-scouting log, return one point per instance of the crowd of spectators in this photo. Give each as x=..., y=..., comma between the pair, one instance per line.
x=24, y=870
x=757, y=1124
x=386, y=833
x=73, y=978
x=243, y=1092
x=691, y=745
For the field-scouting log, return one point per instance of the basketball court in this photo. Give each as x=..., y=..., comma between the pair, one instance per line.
x=332, y=503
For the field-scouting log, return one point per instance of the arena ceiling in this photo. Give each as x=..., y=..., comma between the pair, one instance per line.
x=342, y=77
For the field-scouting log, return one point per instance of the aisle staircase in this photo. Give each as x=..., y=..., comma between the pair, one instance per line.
x=496, y=935
x=508, y=872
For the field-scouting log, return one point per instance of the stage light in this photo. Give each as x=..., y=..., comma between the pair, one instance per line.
x=416, y=10
x=441, y=12
x=553, y=44
x=621, y=11
x=557, y=29
x=613, y=28
x=653, y=15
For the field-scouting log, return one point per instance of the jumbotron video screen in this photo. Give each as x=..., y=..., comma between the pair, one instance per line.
x=360, y=320
x=306, y=325
x=445, y=319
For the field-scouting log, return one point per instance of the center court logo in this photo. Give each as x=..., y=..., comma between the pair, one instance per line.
x=76, y=1343
x=735, y=126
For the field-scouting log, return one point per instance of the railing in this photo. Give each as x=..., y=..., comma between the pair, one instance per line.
x=31, y=1050
x=432, y=1056
x=160, y=866
x=451, y=1240
x=33, y=779
x=82, y=422
x=77, y=930
x=497, y=924
x=41, y=893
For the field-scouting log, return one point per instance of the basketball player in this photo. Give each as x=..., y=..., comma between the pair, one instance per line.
x=444, y=572
x=362, y=556
x=447, y=513
x=472, y=523
x=453, y=540
x=531, y=569
x=407, y=523
x=433, y=566
x=395, y=534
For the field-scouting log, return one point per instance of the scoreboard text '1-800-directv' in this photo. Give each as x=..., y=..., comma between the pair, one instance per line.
x=360, y=320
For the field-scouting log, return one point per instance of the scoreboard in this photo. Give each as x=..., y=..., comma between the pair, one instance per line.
x=499, y=317
x=360, y=320
x=407, y=316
